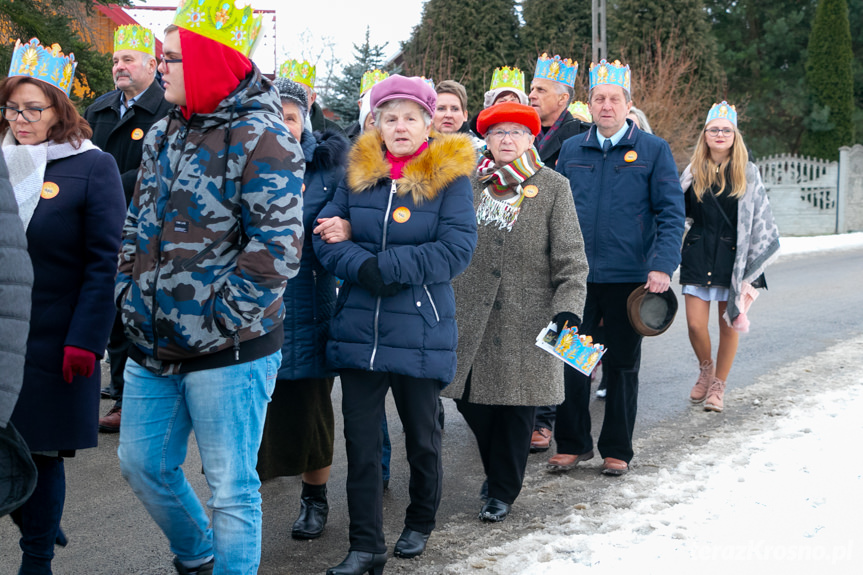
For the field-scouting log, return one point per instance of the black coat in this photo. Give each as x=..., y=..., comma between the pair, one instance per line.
x=710, y=246
x=320, y=123
x=118, y=136
x=73, y=240
x=310, y=296
x=550, y=150
x=16, y=280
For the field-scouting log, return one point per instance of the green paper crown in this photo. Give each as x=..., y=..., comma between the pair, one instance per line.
x=371, y=78
x=507, y=77
x=304, y=73
x=133, y=37
x=286, y=68
x=581, y=111
x=221, y=21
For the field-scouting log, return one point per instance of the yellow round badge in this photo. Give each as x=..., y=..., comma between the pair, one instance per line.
x=630, y=156
x=137, y=134
x=49, y=190
x=401, y=215
x=530, y=191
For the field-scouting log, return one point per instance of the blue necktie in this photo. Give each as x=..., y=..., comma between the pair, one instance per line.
x=606, y=145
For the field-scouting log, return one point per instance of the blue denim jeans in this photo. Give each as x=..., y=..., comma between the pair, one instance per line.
x=225, y=407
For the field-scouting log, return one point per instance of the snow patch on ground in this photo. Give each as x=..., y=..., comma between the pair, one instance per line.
x=805, y=245
x=778, y=493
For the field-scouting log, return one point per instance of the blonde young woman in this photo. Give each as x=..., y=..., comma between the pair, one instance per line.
x=732, y=239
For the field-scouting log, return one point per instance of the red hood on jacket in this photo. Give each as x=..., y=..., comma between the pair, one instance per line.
x=211, y=71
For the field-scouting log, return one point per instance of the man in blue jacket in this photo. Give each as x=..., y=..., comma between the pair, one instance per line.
x=630, y=207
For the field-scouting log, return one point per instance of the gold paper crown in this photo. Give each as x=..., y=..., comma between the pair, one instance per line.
x=48, y=64
x=371, y=78
x=221, y=21
x=507, y=77
x=134, y=37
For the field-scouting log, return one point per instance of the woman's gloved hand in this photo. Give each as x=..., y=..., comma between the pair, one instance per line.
x=565, y=317
x=77, y=361
x=371, y=280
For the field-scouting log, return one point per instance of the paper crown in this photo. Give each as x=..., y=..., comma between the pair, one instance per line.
x=221, y=21
x=371, y=78
x=507, y=77
x=429, y=81
x=614, y=73
x=580, y=110
x=47, y=64
x=302, y=72
x=579, y=350
x=722, y=110
x=555, y=69
x=134, y=37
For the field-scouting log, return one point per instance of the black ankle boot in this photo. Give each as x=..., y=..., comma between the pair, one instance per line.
x=313, y=512
x=411, y=543
x=359, y=563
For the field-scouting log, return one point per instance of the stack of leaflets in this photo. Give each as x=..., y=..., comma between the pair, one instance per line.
x=579, y=351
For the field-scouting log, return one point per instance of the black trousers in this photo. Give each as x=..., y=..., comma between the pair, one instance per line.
x=621, y=361
x=363, y=397
x=545, y=416
x=118, y=353
x=503, y=436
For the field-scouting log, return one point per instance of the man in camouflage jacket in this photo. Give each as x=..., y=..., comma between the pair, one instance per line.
x=213, y=234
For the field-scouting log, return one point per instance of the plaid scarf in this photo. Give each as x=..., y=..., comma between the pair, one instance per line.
x=501, y=181
x=554, y=127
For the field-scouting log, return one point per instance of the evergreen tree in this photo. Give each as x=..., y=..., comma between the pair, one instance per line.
x=635, y=26
x=830, y=82
x=762, y=49
x=855, y=16
x=346, y=88
x=463, y=40
x=55, y=21
x=556, y=27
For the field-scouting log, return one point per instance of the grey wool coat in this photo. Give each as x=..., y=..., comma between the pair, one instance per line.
x=516, y=283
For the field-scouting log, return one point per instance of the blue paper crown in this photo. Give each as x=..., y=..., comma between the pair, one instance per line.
x=47, y=64
x=722, y=110
x=555, y=69
x=614, y=73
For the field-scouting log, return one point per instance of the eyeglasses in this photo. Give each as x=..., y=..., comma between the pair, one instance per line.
x=713, y=132
x=500, y=134
x=165, y=60
x=30, y=114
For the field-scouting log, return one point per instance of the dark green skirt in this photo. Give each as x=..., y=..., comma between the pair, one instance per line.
x=299, y=430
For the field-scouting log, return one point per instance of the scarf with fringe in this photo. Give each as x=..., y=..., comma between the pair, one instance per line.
x=494, y=206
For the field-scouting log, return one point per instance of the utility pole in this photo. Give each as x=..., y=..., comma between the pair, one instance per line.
x=598, y=13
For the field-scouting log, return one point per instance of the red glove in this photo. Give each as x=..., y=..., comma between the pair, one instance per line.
x=77, y=361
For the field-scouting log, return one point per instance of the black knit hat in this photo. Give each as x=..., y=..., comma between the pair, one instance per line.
x=293, y=92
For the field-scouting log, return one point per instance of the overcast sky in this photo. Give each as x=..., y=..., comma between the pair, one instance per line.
x=304, y=29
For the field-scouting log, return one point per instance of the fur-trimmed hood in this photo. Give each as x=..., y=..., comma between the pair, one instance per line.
x=448, y=157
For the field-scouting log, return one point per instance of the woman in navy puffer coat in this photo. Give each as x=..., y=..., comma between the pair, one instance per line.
x=413, y=229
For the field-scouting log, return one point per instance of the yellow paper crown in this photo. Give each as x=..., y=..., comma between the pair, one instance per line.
x=580, y=110
x=221, y=21
x=302, y=72
x=371, y=78
x=134, y=37
x=507, y=77
x=47, y=64
x=286, y=68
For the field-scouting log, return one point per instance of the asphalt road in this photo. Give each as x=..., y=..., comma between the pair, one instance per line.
x=813, y=302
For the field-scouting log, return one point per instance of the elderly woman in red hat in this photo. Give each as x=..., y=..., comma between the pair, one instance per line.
x=529, y=267
x=412, y=230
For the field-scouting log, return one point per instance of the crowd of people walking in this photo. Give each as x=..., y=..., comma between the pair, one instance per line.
x=196, y=221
